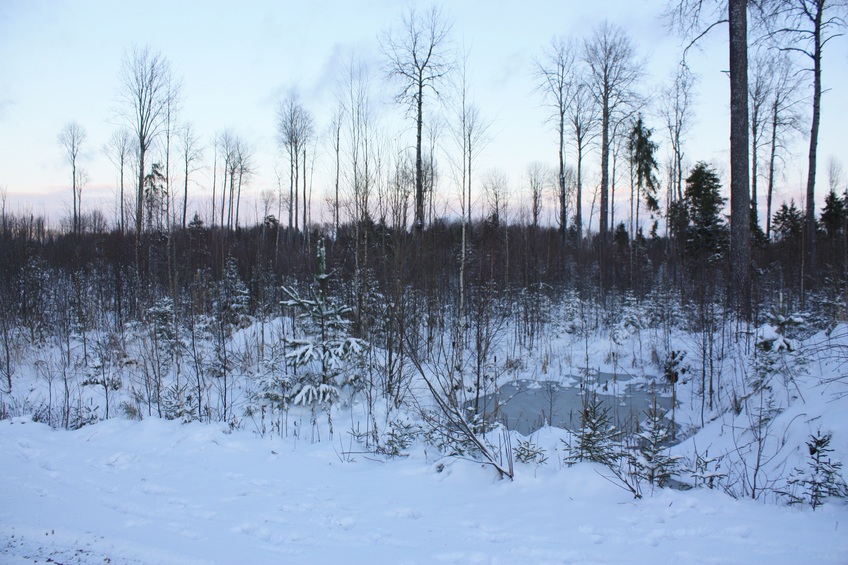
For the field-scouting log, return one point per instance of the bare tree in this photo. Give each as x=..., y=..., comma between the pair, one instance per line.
x=613, y=72
x=245, y=168
x=557, y=82
x=417, y=57
x=118, y=149
x=236, y=168
x=145, y=90
x=761, y=75
x=805, y=27
x=294, y=129
x=191, y=153
x=172, y=107
x=71, y=138
x=470, y=133
x=359, y=148
x=676, y=107
x=583, y=121
x=336, y=131
x=783, y=119
x=537, y=177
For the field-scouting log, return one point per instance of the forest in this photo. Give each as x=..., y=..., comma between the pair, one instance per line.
x=389, y=323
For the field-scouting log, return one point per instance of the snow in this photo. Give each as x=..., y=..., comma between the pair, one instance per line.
x=161, y=491
x=157, y=491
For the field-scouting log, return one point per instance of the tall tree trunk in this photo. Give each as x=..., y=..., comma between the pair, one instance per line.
x=214, y=179
x=740, y=224
x=755, y=125
x=772, y=160
x=121, y=203
x=338, y=169
x=75, y=218
x=419, y=165
x=305, y=197
x=578, y=211
x=562, y=211
x=810, y=223
x=139, y=200
x=185, y=191
x=291, y=187
x=603, y=221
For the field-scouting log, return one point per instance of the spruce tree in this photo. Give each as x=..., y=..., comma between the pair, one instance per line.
x=322, y=357
x=597, y=439
x=653, y=462
x=822, y=478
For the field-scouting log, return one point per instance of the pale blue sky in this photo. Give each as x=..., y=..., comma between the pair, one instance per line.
x=60, y=61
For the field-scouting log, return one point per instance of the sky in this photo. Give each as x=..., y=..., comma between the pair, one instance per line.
x=60, y=61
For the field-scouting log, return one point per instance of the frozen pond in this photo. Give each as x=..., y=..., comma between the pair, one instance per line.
x=526, y=406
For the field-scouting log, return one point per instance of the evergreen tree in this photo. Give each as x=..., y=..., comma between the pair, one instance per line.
x=706, y=233
x=822, y=478
x=788, y=222
x=642, y=149
x=322, y=357
x=832, y=219
x=653, y=462
x=597, y=440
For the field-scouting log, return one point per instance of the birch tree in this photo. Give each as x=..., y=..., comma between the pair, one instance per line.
x=145, y=88
x=613, y=71
x=71, y=138
x=418, y=59
x=118, y=149
x=556, y=81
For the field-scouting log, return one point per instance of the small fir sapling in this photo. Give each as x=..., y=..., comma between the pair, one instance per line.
x=673, y=370
x=706, y=470
x=653, y=462
x=399, y=437
x=529, y=452
x=597, y=439
x=322, y=358
x=822, y=478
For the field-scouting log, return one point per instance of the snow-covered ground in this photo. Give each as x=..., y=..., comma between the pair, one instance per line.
x=160, y=491
x=138, y=489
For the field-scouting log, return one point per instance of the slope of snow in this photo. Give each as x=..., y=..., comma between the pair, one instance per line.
x=159, y=491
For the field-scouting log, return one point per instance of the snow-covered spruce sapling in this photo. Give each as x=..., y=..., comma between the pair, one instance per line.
x=273, y=388
x=653, y=462
x=777, y=353
x=322, y=357
x=399, y=436
x=822, y=477
x=597, y=439
x=706, y=470
x=529, y=452
x=673, y=370
x=101, y=370
x=232, y=306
